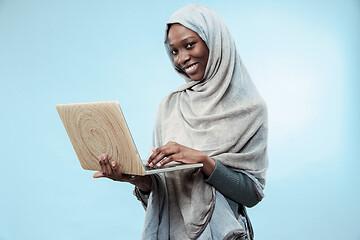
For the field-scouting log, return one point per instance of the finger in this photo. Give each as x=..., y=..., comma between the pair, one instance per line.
x=165, y=161
x=102, y=166
x=158, y=158
x=98, y=175
x=148, y=161
x=116, y=171
x=161, y=152
x=119, y=176
x=107, y=167
x=156, y=151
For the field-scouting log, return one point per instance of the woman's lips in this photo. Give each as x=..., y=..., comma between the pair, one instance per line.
x=192, y=68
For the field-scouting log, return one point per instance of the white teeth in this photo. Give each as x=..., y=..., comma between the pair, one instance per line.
x=190, y=68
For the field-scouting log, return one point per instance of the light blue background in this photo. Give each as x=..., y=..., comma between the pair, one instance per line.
x=302, y=55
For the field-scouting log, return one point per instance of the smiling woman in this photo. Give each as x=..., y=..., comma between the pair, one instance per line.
x=303, y=56
x=189, y=51
x=218, y=119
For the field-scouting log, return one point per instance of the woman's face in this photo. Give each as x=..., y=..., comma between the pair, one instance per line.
x=189, y=51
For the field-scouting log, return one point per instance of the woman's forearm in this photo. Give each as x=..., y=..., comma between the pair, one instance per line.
x=208, y=165
x=143, y=183
x=234, y=185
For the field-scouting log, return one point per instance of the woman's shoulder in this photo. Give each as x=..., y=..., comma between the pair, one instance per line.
x=168, y=101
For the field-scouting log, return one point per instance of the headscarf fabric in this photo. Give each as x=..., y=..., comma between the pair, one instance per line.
x=223, y=115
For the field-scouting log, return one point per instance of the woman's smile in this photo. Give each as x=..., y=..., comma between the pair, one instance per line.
x=192, y=69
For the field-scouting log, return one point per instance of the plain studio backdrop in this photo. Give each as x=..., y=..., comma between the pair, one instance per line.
x=302, y=55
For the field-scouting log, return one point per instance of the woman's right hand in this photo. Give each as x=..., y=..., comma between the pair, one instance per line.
x=113, y=172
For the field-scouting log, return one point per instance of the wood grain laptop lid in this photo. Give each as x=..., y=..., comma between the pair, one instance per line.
x=97, y=128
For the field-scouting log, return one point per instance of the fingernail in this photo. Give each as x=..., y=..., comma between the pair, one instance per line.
x=113, y=163
x=159, y=165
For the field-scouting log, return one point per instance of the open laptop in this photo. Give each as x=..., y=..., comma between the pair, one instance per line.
x=96, y=128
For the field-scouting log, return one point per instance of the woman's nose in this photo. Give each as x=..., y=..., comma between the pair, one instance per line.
x=183, y=57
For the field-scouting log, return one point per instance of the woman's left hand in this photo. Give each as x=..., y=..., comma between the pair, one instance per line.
x=113, y=172
x=173, y=151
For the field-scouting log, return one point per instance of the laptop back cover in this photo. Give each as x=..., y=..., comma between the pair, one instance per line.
x=97, y=128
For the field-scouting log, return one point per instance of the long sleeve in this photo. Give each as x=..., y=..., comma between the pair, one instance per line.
x=233, y=185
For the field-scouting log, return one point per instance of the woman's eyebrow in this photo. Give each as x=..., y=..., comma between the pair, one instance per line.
x=183, y=40
x=186, y=38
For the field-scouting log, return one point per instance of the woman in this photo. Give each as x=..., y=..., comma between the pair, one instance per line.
x=217, y=118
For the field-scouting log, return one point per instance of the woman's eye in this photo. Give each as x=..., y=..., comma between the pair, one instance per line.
x=190, y=45
x=174, y=51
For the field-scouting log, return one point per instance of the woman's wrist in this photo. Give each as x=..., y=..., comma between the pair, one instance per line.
x=143, y=183
x=208, y=165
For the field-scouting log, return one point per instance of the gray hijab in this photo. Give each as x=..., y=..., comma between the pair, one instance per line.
x=222, y=115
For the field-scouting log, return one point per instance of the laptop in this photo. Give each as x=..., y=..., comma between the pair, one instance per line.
x=96, y=128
